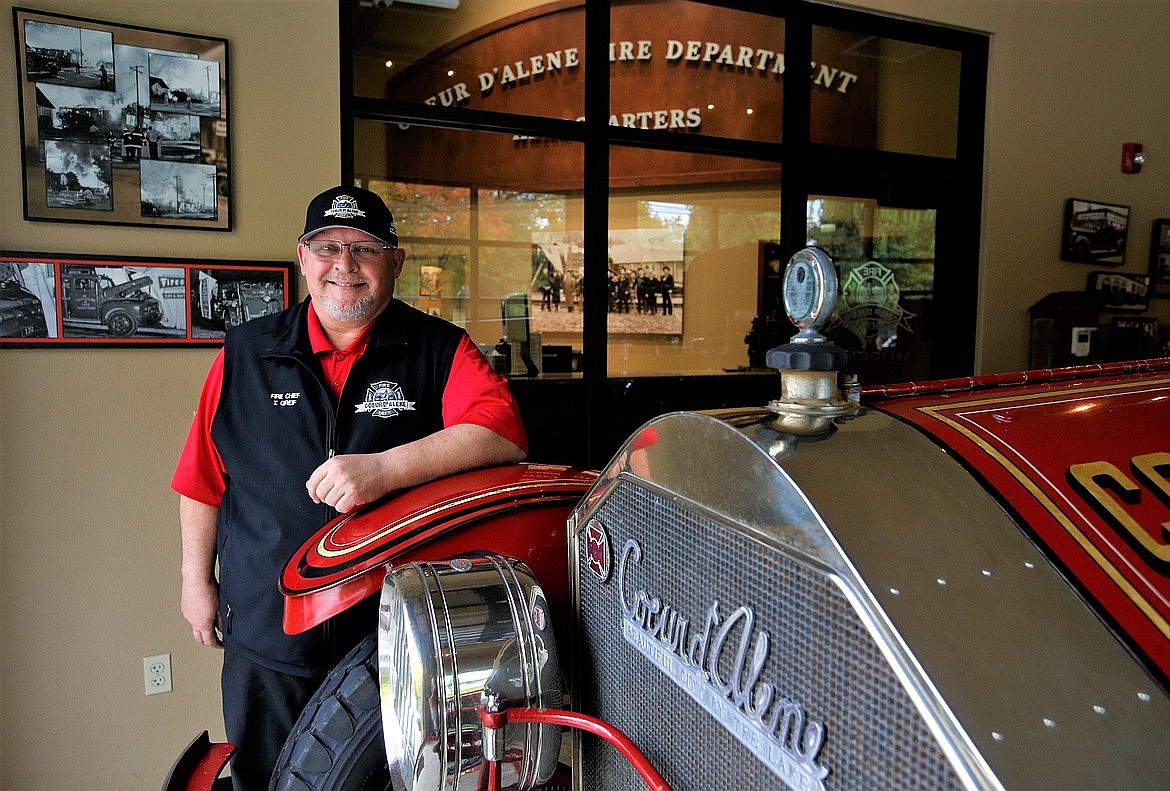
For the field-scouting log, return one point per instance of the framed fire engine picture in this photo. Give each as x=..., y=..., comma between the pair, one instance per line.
x=1160, y=258
x=1094, y=233
x=74, y=300
x=122, y=125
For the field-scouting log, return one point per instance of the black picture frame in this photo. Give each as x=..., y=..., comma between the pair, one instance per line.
x=1160, y=258
x=1133, y=337
x=64, y=300
x=122, y=125
x=1120, y=291
x=1094, y=232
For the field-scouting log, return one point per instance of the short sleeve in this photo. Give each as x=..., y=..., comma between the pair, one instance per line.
x=200, y=473
x=477, y=395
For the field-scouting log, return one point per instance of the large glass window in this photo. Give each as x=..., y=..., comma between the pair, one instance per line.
x=603, y=180
x=682, y=263
x=885, y=259
x=905, y=94
x=475, y=238
x=690, y=67
x=472, y=54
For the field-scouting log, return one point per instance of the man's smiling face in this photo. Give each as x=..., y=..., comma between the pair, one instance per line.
x=349, y=293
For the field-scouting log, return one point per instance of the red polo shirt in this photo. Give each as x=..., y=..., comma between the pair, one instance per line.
x=475, y=394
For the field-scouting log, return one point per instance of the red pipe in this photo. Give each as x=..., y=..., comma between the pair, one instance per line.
x=571, y=719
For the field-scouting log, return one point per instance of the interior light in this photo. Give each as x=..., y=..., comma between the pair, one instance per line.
x=389, y=64
x=750, y=111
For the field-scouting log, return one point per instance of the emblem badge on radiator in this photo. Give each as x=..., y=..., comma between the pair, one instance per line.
x=597, y=554
x=720, y=667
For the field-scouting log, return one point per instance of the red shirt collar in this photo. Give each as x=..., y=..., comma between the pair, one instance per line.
x=321, y=344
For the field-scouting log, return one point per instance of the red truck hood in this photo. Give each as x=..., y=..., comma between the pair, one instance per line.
x=1085, y=466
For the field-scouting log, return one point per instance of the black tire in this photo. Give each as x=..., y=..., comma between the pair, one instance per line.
x=336, y=743
x=121, y=324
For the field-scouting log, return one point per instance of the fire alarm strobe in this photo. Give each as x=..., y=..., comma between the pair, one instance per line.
x=1132, y=158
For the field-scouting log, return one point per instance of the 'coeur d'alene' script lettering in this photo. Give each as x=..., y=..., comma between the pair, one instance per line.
x=773, y=727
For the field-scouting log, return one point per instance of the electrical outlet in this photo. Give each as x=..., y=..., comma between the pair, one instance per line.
x=157, y=670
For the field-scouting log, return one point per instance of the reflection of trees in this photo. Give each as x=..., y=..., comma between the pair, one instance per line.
x=904, y=234
x=438, y=220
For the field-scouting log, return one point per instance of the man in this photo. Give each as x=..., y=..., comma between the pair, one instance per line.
x=306, y=414
x=132, y=140
x=153, y=137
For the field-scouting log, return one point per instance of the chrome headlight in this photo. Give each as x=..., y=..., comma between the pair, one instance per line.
x=453, y=637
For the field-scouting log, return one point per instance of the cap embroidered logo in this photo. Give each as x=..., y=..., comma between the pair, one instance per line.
x=344, y=207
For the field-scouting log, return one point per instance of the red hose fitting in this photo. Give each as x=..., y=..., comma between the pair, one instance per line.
x=572, y=719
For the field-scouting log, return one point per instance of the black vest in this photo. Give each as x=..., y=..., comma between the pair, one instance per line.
x=276, y=423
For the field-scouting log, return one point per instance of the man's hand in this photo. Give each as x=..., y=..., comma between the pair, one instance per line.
x=349, y=481
x=200, y=605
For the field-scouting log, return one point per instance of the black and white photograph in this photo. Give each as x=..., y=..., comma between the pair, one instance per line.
x=1160, y=258
x=183, y=85
x=1119, y=291
x=1094, y=233
x=80, y=300
x=28, y=297
x=62, y=54
x=178, y=190
x=99, y=101
x=225, y=298
x=645, y=283
x=78, y=175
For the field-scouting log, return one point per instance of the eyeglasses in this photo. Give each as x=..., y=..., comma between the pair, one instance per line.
x=327, y=249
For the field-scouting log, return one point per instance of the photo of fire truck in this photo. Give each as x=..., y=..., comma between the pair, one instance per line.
x=92, y=300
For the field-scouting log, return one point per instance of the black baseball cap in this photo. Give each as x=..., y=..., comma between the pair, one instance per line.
x=350, y=207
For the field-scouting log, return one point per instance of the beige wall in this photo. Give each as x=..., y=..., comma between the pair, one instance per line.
x=89, y=541
x=88, y=535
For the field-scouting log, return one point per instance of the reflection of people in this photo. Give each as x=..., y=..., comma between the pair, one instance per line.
x=570, y=285
x=305, y=414
x=666, y=285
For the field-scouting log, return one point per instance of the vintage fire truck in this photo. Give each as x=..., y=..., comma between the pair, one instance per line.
x=93, y=300
x=944, y=584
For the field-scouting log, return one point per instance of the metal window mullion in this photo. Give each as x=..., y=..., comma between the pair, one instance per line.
x=594, y=363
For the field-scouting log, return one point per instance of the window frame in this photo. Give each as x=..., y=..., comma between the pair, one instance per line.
x=952, y=186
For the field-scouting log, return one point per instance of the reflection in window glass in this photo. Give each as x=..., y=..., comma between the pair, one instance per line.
x=516, y=216
x=470, y=226
x=899, y=96
x=684, y=261
x=509, y=56
x=885, y=259
x=683, y=66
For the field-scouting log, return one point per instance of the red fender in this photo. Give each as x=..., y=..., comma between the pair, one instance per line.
x=517, y=510
x=199, y=765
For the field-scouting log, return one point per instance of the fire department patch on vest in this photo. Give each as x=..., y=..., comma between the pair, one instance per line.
x=384, y=399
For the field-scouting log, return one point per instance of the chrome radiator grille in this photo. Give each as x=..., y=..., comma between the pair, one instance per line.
x=813, y=655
